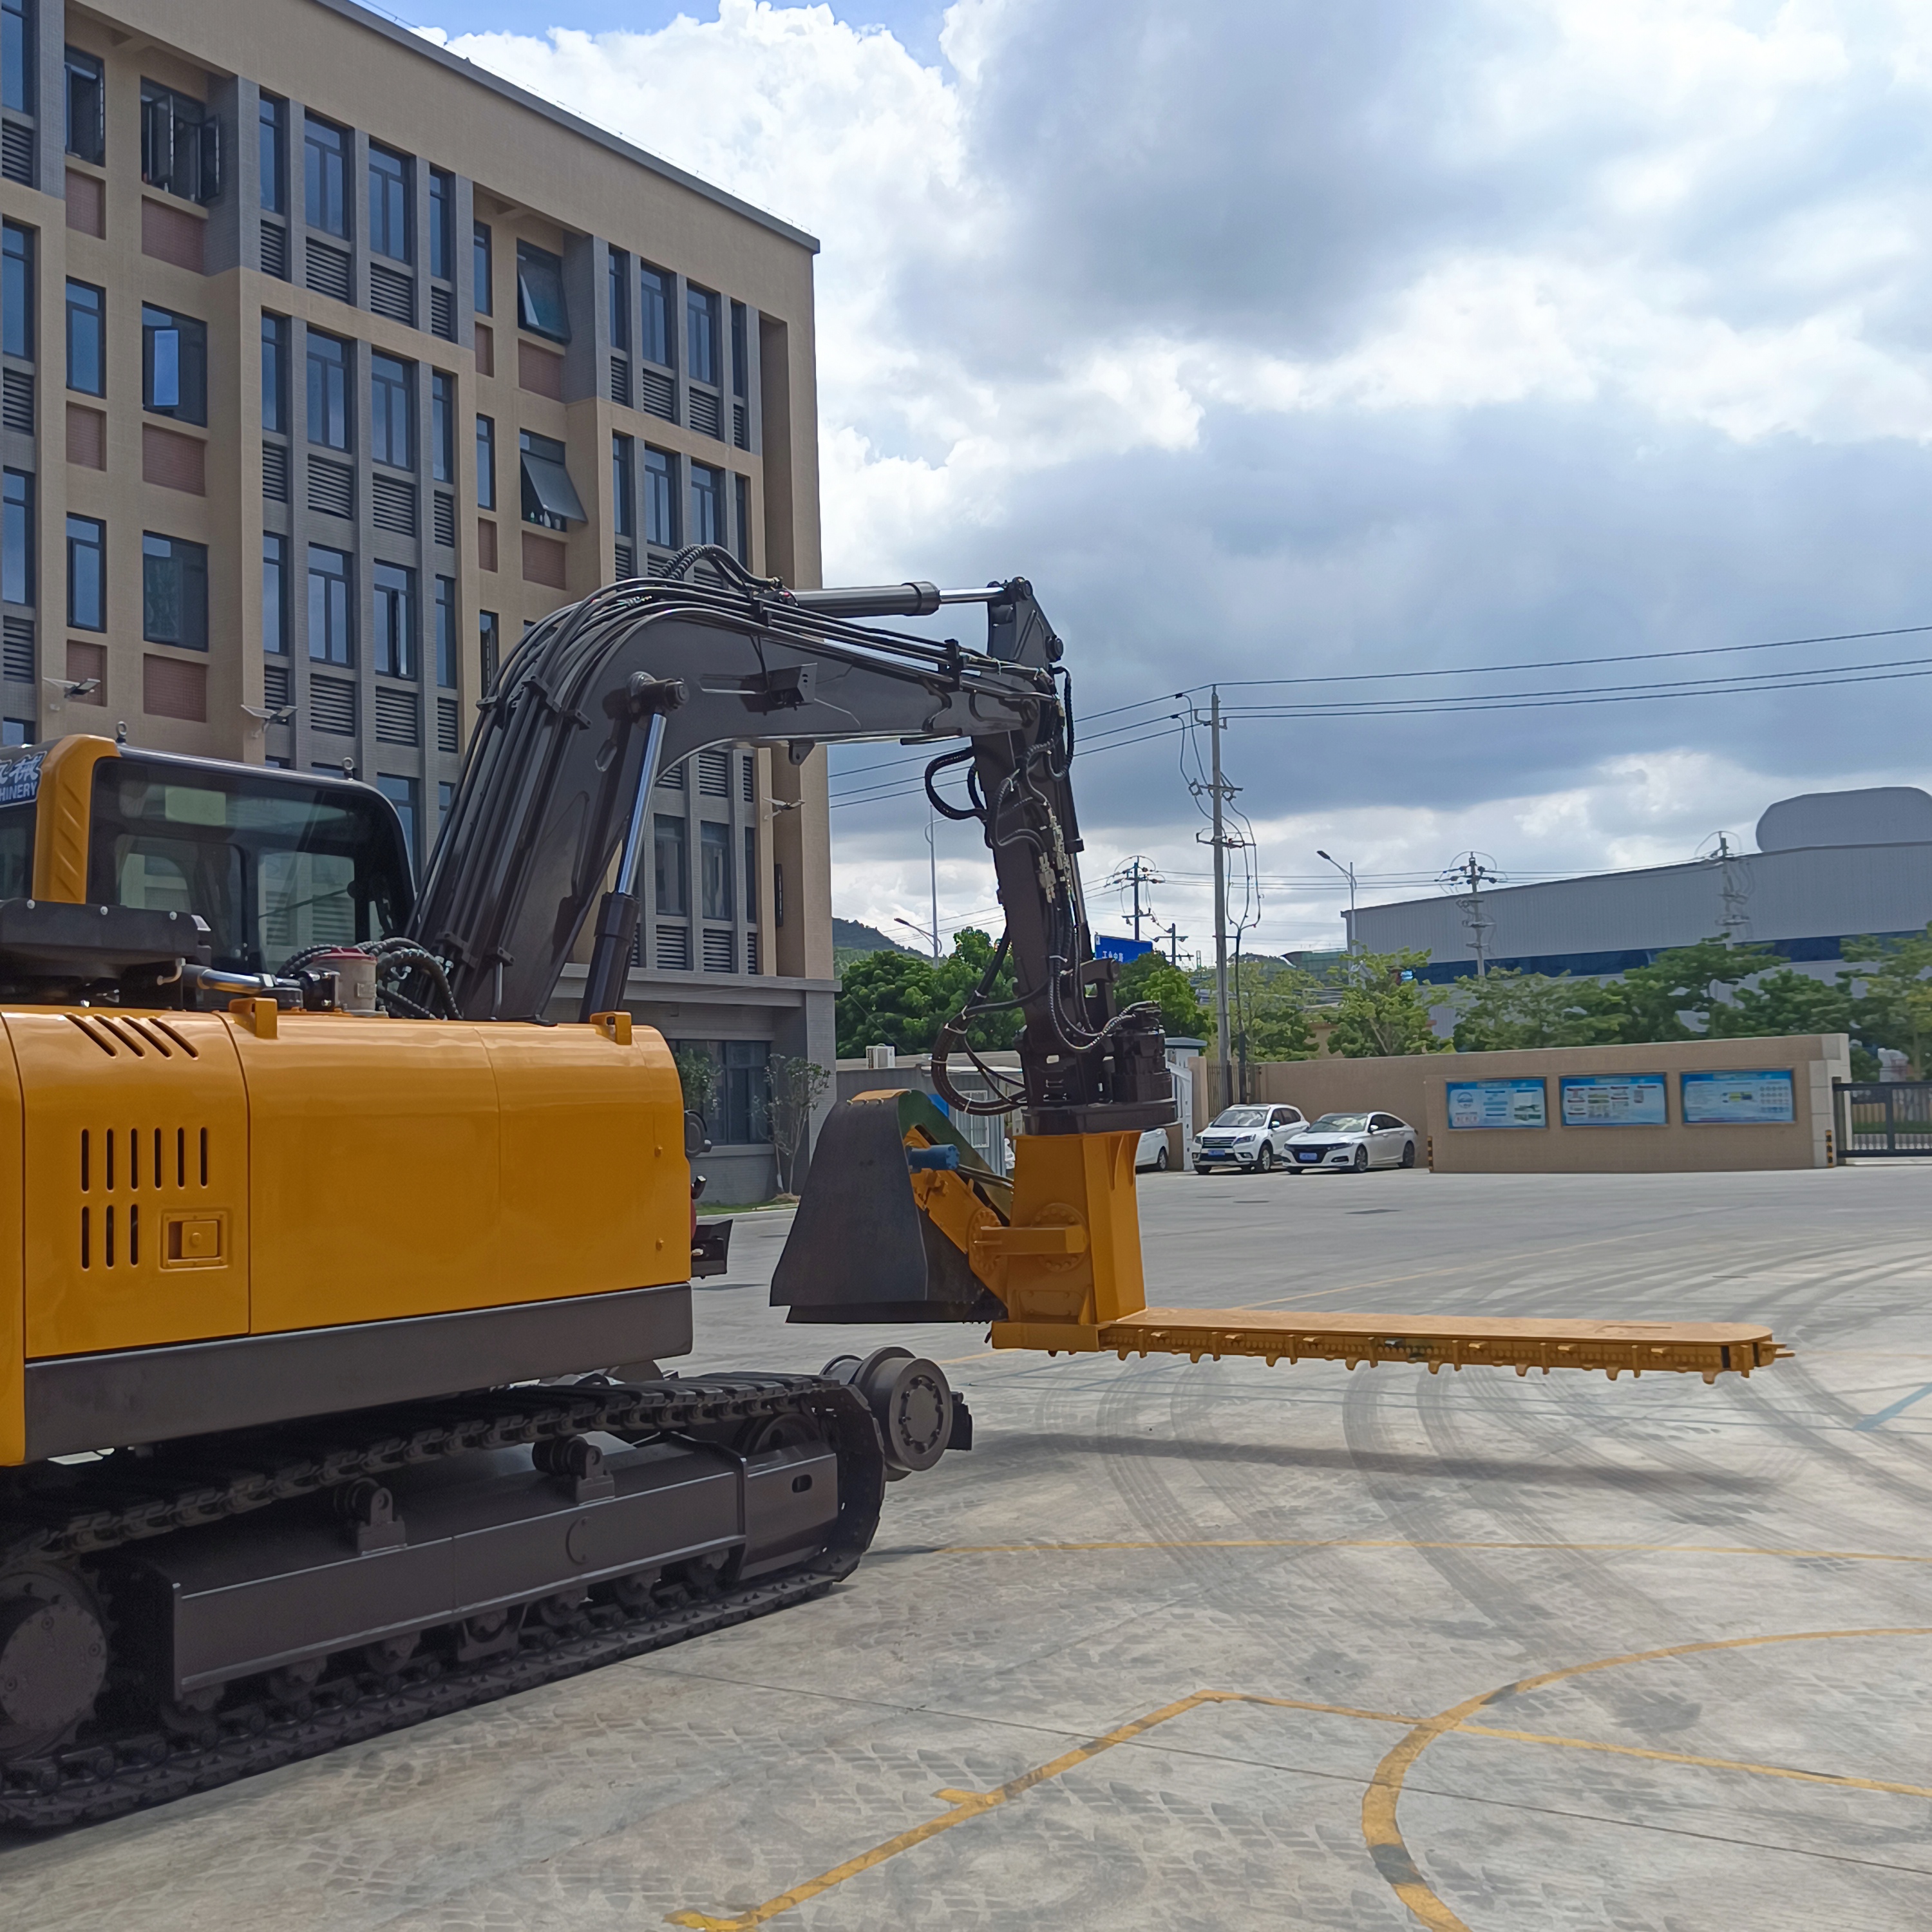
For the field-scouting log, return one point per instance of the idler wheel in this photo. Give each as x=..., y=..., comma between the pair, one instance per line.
x=53, y=1657
x=910, y=1400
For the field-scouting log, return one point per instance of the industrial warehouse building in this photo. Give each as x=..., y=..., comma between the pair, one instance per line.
x=331, y=363
x=1829, y=867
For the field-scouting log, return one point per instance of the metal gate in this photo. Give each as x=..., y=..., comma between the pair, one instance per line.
x=1883, y=1120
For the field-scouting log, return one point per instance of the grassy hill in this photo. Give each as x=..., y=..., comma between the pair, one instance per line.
x=852, y=939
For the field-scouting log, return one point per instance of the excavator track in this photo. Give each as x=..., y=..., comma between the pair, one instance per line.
x=68, y=1514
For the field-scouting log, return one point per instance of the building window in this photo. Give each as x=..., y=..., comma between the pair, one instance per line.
x=714, y=869
x=401, y=793
x=622, y=509
x=17, y=731
x=275, y=374
x=390, y=440
x=16, y=291
x=174, y=591
x=739, y=1113
x=550, y=499
x=273, y=127
x=86, y=573
x=540, y=293
x=660, y=501
x=441, y=216
x=330, y=640
x=486, y=462
x=741, y=519
x=673, y=885
x=275, y=594
x=86, y=98
x=654, y=306
x=489, y=643
x=17, y=538
x=442, y=426
x=325, y=175
x=16, y=54
x=446, y=632
x=620, y=326
x=174, y=365
x=707, y=504
x=181, y=147
x=480, y=245
x=395, y=645
x=700, y=331
x=327, y=391
x=750, y=875
x=445, y=798
x=86, y=344
x=740, y=351
x=388, y=205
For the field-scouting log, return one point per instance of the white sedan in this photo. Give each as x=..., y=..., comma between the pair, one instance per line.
x=1248, y=1140
x=1353, y=1142
x=1151, y=1150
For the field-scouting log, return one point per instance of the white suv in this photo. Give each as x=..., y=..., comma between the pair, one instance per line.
x=1248, y=1140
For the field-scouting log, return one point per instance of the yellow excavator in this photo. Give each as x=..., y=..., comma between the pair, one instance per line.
x=339, y=1285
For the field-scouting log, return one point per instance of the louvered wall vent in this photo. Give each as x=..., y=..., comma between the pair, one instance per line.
x=398, y=716
x=274, y=473
x=392, y=294
x=16, y=648
x=275, y=250
x=657, y=393
x=330, y=271
x=332, y=706
x=331, y=488
x=392, y=505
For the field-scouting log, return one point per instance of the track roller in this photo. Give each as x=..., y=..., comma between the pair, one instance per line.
x=919, y=1417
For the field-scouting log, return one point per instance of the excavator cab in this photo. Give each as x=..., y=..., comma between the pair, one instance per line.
x=271, y=861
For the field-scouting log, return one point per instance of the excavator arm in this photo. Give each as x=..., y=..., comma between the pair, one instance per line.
x=900, y=1219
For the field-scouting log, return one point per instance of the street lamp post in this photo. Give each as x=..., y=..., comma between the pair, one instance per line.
x=931, y=938
x=1347, y=872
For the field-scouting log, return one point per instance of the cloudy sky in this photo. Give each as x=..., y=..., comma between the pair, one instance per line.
x=1276, y=339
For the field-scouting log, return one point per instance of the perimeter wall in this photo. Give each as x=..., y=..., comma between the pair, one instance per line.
x=1415, y=1087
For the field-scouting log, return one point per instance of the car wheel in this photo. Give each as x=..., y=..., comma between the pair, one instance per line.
x=1265, y=1160
x=1160, y=1160
x=1361, y=1160
x=1408, y=1153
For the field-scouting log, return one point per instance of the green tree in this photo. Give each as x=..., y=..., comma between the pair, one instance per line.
x=1507, y=1008
x=1674, y=996
x=697, y=1074
x=1895, y=1008
x=953, y=981
x=798, y=1085
x=1151, y=977
x=886, y=999
x=1381, y=1012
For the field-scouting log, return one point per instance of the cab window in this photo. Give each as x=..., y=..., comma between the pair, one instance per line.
x=273, y=865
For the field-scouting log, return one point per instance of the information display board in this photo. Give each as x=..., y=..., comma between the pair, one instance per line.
x=1753, y=1099
x=1496, y=1103
x=1612, y=1099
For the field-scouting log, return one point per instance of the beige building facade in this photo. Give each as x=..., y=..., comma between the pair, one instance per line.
x=331, y=363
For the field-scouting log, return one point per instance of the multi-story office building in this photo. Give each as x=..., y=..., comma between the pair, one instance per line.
x=330, y=363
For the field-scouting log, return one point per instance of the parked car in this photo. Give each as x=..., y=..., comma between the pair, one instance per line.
x=1247, y=1139
x=1152, y=1151
x=1354, y=1143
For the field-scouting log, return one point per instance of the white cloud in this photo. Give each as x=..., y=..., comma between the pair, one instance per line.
x=1500, y=333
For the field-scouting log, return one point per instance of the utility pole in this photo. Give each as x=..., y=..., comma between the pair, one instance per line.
x=1220, y=792
x=1174, y=939
x=1471, y=872
x=932, y=859
x=1137, y=872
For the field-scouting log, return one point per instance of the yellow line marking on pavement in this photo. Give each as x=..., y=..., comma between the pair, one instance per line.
x=966, y=1804
x=1709, y=1763
x=1385, y=1844
x=1382, y=1832
x=1410, y=1543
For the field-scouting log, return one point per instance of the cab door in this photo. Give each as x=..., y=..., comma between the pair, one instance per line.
x=1385, y=1137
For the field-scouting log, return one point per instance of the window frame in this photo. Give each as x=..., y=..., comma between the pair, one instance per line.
x=18, y=562
x=338, y=640
x=394, y=646
x=17, y=56
x=98, y=315
x=80, y=544
x=655, y=289
x=85, y=70
x=709, y=493
x=717, y=906
x=669, y=834
x=16, y=290
x=623, y=492
x=702, y=356
x=444, y=604
x=483, y=264
x=441, y=427
x=179, y=565
x=336, y=388
x=442, y=251
x=535, y=268
x=189, y=357
x=660, y=469
x=275, y=568
x=389, y=223
x=318, y=181
x=489, y=646
x=190, y=169
x=271, y=135
x=392, y=411
x=486, y=462
x=274, y=373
